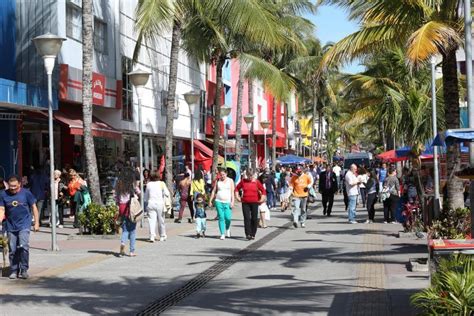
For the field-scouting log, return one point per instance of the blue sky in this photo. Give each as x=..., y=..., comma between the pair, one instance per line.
x=332, y=24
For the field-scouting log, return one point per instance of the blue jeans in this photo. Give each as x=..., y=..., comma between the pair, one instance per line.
x=299, y=209
x=271, y=199
x=18, y=243
x=129, y=231
x=351, y=209
x=200, y=225
x=225, y=216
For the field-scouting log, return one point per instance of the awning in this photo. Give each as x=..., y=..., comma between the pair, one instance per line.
x=203, y=149
x=452, y=136
x=72, y=117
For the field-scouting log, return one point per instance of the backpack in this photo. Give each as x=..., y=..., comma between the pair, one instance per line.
x=135, y=213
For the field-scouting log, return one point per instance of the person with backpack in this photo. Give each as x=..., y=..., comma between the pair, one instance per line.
x=157, y=199
x=372, y=187
x=125, y=191
x=253, y=194
x=391, y=190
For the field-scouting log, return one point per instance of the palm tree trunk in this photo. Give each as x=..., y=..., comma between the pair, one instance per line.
x=319, y=134
x=170, y=103
x=451, y=99
x=313, y=134
x=274, y=137
x=87, y=57
x=238, y=123
x=217, y=115
x=251, y=152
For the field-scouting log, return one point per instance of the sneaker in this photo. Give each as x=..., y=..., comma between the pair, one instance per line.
x=60, y=226
x=132, y=254
x=177, y=221
x=198, y=235
x=23, y=275
x=203, y=234
x=152, y=239
x=385, y=222
x=13, y=276
x=252, y=237
x=367, y=221
x=222, y=237
x=303, y=225
x=249, y=237
x=295, y=224
x=122, y=250
x=353, y=222
x=228, y=233
x=163, y=238
x=394, y=222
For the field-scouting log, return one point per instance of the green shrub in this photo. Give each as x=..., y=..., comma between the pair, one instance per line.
x=452, y=224
x=451, y=291
x=98, y=219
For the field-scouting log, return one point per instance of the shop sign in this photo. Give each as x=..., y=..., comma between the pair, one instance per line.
x=98, y=89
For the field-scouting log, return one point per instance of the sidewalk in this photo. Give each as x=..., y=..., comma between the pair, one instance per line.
x=329, y=268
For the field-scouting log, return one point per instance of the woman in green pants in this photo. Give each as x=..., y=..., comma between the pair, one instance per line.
x=223, y=194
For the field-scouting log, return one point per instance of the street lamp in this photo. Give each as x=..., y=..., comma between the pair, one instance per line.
x=192, y=98
x=249, y=118
x=48, y=47
x=139, y=78
x=297, y=135
x=435, y=131
x=225, y=111
x=265, y=125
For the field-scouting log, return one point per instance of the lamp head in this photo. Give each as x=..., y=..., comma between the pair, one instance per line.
x=225, y=111
x=265, y=124
x=139, y=77
x=248, y=118
x=48, y=45
x=192, y=97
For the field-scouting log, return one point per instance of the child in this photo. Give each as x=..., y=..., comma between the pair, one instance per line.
x=200, y=215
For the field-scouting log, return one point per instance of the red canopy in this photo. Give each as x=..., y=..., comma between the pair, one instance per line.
x=391, y=156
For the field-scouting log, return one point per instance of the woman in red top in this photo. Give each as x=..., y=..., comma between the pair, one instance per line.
x=253, y=193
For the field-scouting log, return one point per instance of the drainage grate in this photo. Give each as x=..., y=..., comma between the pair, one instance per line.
x=173, y=298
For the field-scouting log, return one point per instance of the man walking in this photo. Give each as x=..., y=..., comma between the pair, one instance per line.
x=327, y=188
x=382, y=175
x=300, y=184
x=16, y=204
x=352, y=189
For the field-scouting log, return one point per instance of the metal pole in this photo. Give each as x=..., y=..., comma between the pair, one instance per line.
x=225, y=144
x=434, y=118
x=54, y=245
x=468, y=53
x=265, y=146
x=250, y=148
x=192, y=146
x=140, y=156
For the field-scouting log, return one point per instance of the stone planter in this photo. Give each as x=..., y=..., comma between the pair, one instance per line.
x=93, y=237
x=418, y=265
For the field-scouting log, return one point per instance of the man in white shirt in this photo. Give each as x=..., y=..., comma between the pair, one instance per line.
x=337, y=171
x=352, y=189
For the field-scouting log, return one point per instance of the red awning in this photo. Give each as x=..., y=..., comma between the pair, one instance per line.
x=203, y=148
x=72, y=117
x=390, y=156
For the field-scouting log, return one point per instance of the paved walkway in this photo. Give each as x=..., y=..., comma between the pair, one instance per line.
x=329, y=268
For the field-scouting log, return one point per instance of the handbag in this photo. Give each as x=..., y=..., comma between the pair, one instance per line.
x=167, y=198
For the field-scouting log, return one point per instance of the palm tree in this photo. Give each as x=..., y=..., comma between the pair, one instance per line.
x=153, y=19
x=427, y=28
x=87, y=57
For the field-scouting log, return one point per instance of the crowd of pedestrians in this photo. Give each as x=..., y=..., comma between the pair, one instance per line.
x=24, y=201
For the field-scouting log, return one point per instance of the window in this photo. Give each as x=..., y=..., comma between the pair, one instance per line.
x=202, y=112
x=74, y=20
x=100, y=36
x=127, y=90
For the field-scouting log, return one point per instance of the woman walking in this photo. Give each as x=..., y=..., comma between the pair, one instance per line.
x=253, y=194
x=183, y=188
x=155, y=196
x=222, y=193
x=391, y=185
x=283, y=189
x=363, y=178
x=372, y=193
x=125, y=190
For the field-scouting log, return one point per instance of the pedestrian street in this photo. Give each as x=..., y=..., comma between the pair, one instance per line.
x=330, y=267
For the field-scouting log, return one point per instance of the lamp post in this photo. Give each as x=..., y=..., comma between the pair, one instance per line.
x=48, y=47
x=248, y=118
x=139, y=78
x=297, y=135
x=435, y=131
x=225, y=111
x=192, y=98
x=265, y=125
